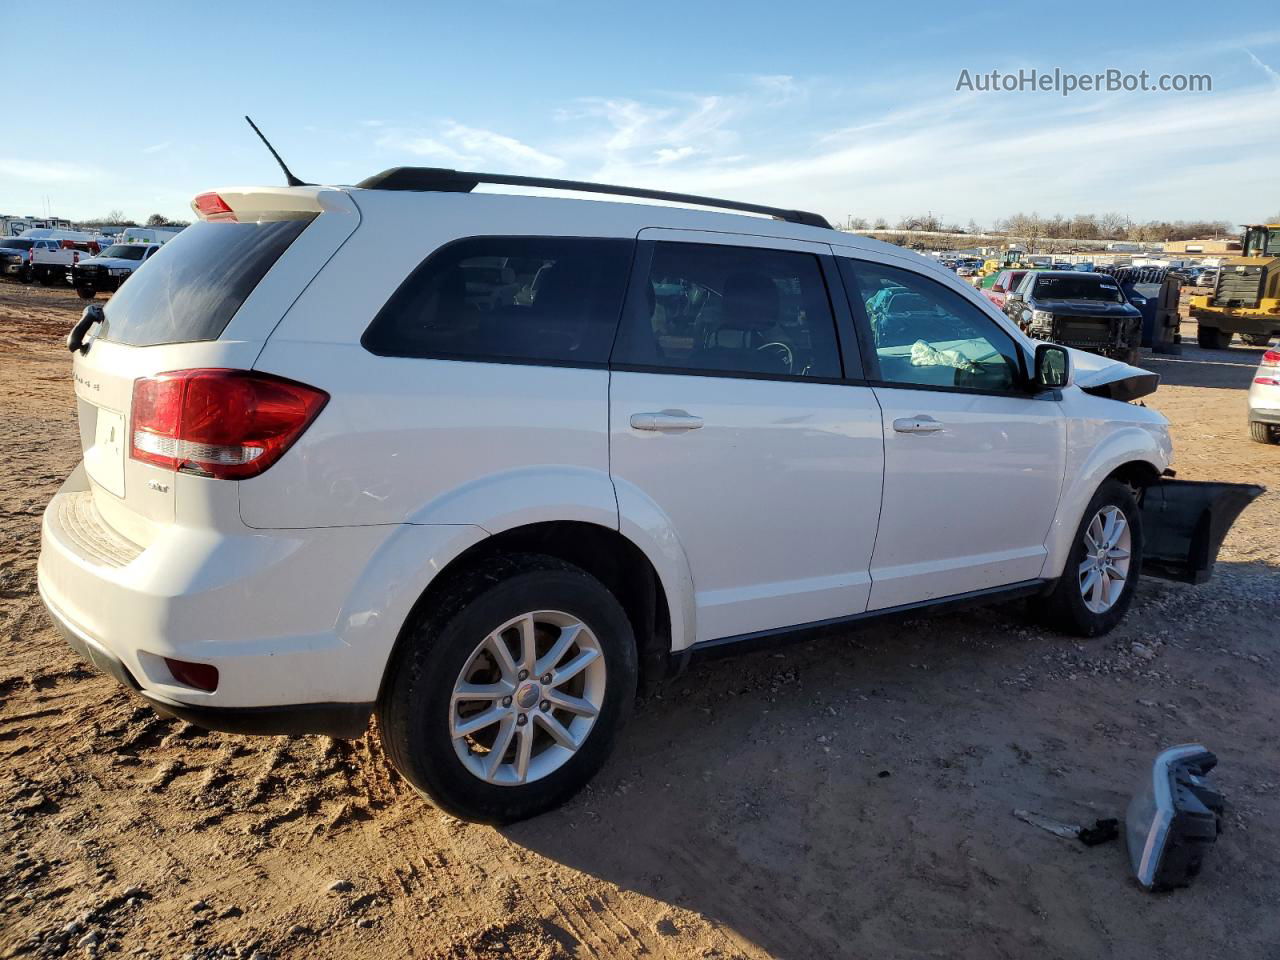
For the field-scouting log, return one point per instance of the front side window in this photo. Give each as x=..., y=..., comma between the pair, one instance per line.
x=548, y=299
x=735, y=310
x=926, y=335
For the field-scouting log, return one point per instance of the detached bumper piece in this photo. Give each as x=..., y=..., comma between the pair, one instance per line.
x=1174, y=819
x=1184, y=523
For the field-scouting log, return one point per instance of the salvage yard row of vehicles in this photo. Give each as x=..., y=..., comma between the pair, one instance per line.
x=84, y=261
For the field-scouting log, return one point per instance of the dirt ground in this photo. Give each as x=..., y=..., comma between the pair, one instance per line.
x=847, y=798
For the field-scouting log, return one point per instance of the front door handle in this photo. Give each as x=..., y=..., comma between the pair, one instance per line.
x=665, y=422
x=922, y=423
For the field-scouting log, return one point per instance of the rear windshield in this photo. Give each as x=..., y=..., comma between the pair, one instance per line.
x=1083, y=287
x=193, y=285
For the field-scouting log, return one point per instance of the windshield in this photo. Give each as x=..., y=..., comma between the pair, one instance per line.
x=1261, y=242
x=193, y=285
x=1083, y=287
x=124, y=252
x=13, y=243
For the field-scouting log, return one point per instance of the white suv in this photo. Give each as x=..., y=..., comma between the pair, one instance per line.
x=479, y=463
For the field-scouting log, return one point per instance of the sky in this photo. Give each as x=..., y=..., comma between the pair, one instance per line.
x=844, y=108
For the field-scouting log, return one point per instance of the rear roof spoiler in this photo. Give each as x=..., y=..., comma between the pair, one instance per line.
x=442, y=180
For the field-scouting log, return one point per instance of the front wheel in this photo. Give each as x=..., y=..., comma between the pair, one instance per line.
x=504, y=700
x=1097, y=583
x=85, y=294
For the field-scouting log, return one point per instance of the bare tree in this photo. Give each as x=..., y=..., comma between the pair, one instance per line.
x=881, y=224
x=157, y=220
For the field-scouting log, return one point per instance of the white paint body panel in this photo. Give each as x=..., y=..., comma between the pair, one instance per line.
x=295, y=584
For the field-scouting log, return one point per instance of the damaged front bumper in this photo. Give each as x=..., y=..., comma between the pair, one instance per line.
x=1184, y=523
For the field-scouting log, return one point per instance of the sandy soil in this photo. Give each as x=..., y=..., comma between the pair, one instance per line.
x=847, y=798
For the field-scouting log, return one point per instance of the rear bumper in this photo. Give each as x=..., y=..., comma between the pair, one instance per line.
x=1184, y=524
x=347, y=720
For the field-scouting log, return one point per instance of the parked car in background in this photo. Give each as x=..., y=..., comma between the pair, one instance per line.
x=1264, y=399
x=51, y=265
x=17, y=255
x=1208, y=278
x=1087, y=311
x=1084, y=266
x=1006, y=281
x=336, y=463
x=105, y=272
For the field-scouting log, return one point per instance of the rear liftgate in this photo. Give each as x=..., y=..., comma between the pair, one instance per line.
x=1184, y=524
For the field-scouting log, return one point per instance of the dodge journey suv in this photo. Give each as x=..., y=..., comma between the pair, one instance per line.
x=479, y=464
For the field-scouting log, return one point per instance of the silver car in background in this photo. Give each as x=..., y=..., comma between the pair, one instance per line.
x=1264, y=400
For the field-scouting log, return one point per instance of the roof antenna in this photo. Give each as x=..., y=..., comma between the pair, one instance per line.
x=289, y=178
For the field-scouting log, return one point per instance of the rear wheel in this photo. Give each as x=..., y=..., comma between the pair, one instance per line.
x=85, y=293
x=1097, y=584
x=504, y=700
x=46, y=279
x=1256, y=339
x=1263, y=432
x=1211, y=338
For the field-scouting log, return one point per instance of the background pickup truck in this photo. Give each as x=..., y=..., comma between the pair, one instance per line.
x=110, y=268
x=50, y=263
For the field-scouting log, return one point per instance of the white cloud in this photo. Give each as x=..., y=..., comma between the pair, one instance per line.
x=157, y=147
x=462, y=146
x=46, y=171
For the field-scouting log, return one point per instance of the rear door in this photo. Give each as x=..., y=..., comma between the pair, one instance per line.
x=731, y=414
x=209, y=298
x=974, y=463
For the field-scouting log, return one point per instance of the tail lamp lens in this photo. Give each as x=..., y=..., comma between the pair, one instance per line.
x=210, y=206
x=202, y=676
x=226, y=424
x=1271, y=358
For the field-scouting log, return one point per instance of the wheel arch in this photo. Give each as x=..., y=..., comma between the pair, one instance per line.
x=1133, y=456
x=622, y=566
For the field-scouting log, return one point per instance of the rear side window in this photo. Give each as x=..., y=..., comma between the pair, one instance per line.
x=196, y=282
x=536, y=299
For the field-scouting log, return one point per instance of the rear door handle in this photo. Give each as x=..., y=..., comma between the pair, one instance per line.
x=922, y=423
x=665, y=422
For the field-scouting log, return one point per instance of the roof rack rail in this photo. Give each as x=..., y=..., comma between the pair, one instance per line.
x=443, y=180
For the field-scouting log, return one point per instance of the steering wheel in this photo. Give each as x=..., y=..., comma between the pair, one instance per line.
x=782, y=350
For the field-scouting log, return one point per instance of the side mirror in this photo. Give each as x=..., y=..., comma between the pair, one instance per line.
x=1053, y=366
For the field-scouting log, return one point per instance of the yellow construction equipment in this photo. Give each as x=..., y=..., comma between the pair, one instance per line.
x=1246, y=299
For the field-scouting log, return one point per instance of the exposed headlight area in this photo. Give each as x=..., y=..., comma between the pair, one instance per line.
x=119, y=271
x=1041, y=321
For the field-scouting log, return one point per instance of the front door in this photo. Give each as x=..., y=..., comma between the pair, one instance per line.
x=974, y=463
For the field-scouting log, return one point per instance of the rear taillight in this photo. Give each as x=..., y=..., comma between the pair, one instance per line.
x=210, y=206
x=1271, y=358
x=227, y=424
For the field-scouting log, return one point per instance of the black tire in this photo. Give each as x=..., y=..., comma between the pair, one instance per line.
x=1263, y=432
x=1211, y=338
x=85, y=294
x=46, y=279
x=414, y=708
x=1064, y=609
x=1256, y=339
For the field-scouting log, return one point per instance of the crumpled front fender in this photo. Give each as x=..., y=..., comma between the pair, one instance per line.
x=1184, y=523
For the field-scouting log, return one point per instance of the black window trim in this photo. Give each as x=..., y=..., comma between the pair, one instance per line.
x=863, y=326
x=847, y=349
x=505, y=361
